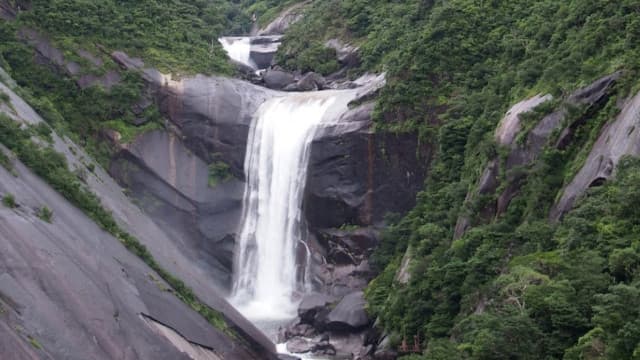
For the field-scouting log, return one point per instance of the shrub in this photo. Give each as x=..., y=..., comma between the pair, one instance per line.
x=45, y=214
x=9, y=201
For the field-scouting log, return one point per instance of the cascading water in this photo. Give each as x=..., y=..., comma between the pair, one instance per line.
x=238, y=49
x=267, y=271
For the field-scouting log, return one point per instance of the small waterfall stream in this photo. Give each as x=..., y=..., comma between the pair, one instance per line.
x=239, y=49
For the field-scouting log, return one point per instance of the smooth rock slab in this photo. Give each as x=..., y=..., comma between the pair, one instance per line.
x=349, y=314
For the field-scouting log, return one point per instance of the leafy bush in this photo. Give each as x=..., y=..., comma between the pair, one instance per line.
x=9, y=201
x=45, y=214
x=219, y=172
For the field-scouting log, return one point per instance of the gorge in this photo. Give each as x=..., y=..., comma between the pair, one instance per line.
x=319, y=179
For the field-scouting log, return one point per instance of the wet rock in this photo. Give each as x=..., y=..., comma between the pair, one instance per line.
x=349, y=314
x=277, y=79
x=263, y=50
x=346, y=247
x=299, y=345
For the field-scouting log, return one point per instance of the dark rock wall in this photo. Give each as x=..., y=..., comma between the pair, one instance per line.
x=356, y=176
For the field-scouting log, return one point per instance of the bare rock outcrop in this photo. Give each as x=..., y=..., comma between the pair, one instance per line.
x=618, y=138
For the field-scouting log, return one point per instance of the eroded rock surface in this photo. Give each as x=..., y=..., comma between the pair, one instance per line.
x=618, y=138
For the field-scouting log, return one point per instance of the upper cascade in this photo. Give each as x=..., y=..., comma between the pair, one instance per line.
x=255, y=52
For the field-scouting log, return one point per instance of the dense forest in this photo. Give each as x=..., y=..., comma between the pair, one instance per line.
x=515, y=286
x=518, y=285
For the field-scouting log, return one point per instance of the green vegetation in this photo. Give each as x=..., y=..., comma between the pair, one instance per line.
x=4, y=97
x=35, y=343
x=172, y=35
x=5, y=162
x=9, y=201
x=515, y=286
x=219, y=172
x=53, y=168
x=80, y=113
x=45, y=214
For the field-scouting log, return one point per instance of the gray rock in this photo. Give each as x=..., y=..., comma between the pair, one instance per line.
x=357, y=175
x=299, y=345
x=164, y=247
x=309, y=82
x=311, y=305
x=618, y=138
x=349, y=314
x=277, y=79
x=263, y=50
x=287, y=18
x=347, y=54
x=171, y=184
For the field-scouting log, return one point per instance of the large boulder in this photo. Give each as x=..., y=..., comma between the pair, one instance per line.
x=312, y=304
x=277, y=79
x=349, y=314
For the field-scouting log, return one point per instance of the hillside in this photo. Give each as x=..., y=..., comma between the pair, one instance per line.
x=491, y=184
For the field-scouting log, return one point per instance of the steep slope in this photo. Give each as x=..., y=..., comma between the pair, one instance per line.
x=70, y=233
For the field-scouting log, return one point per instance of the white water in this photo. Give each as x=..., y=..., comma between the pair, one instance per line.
x=239, y=49
x=267, y=274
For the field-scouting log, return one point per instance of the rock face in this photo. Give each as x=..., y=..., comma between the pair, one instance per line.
x=356, y=176
x=213, y=114
x=48, y=54
x=71, y=272
x=277, y=79
x=164, y=246
x=263, y=49
x=170, y=183
x=618, y=138
x=591, y=98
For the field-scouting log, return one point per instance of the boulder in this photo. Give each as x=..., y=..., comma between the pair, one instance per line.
x=349, y=314
x=300, y=345
x=311, y=305
x=309, y=82
x=277, y=79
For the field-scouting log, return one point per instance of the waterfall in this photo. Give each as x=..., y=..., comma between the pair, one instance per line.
x=239, y=49
x=267, y=273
